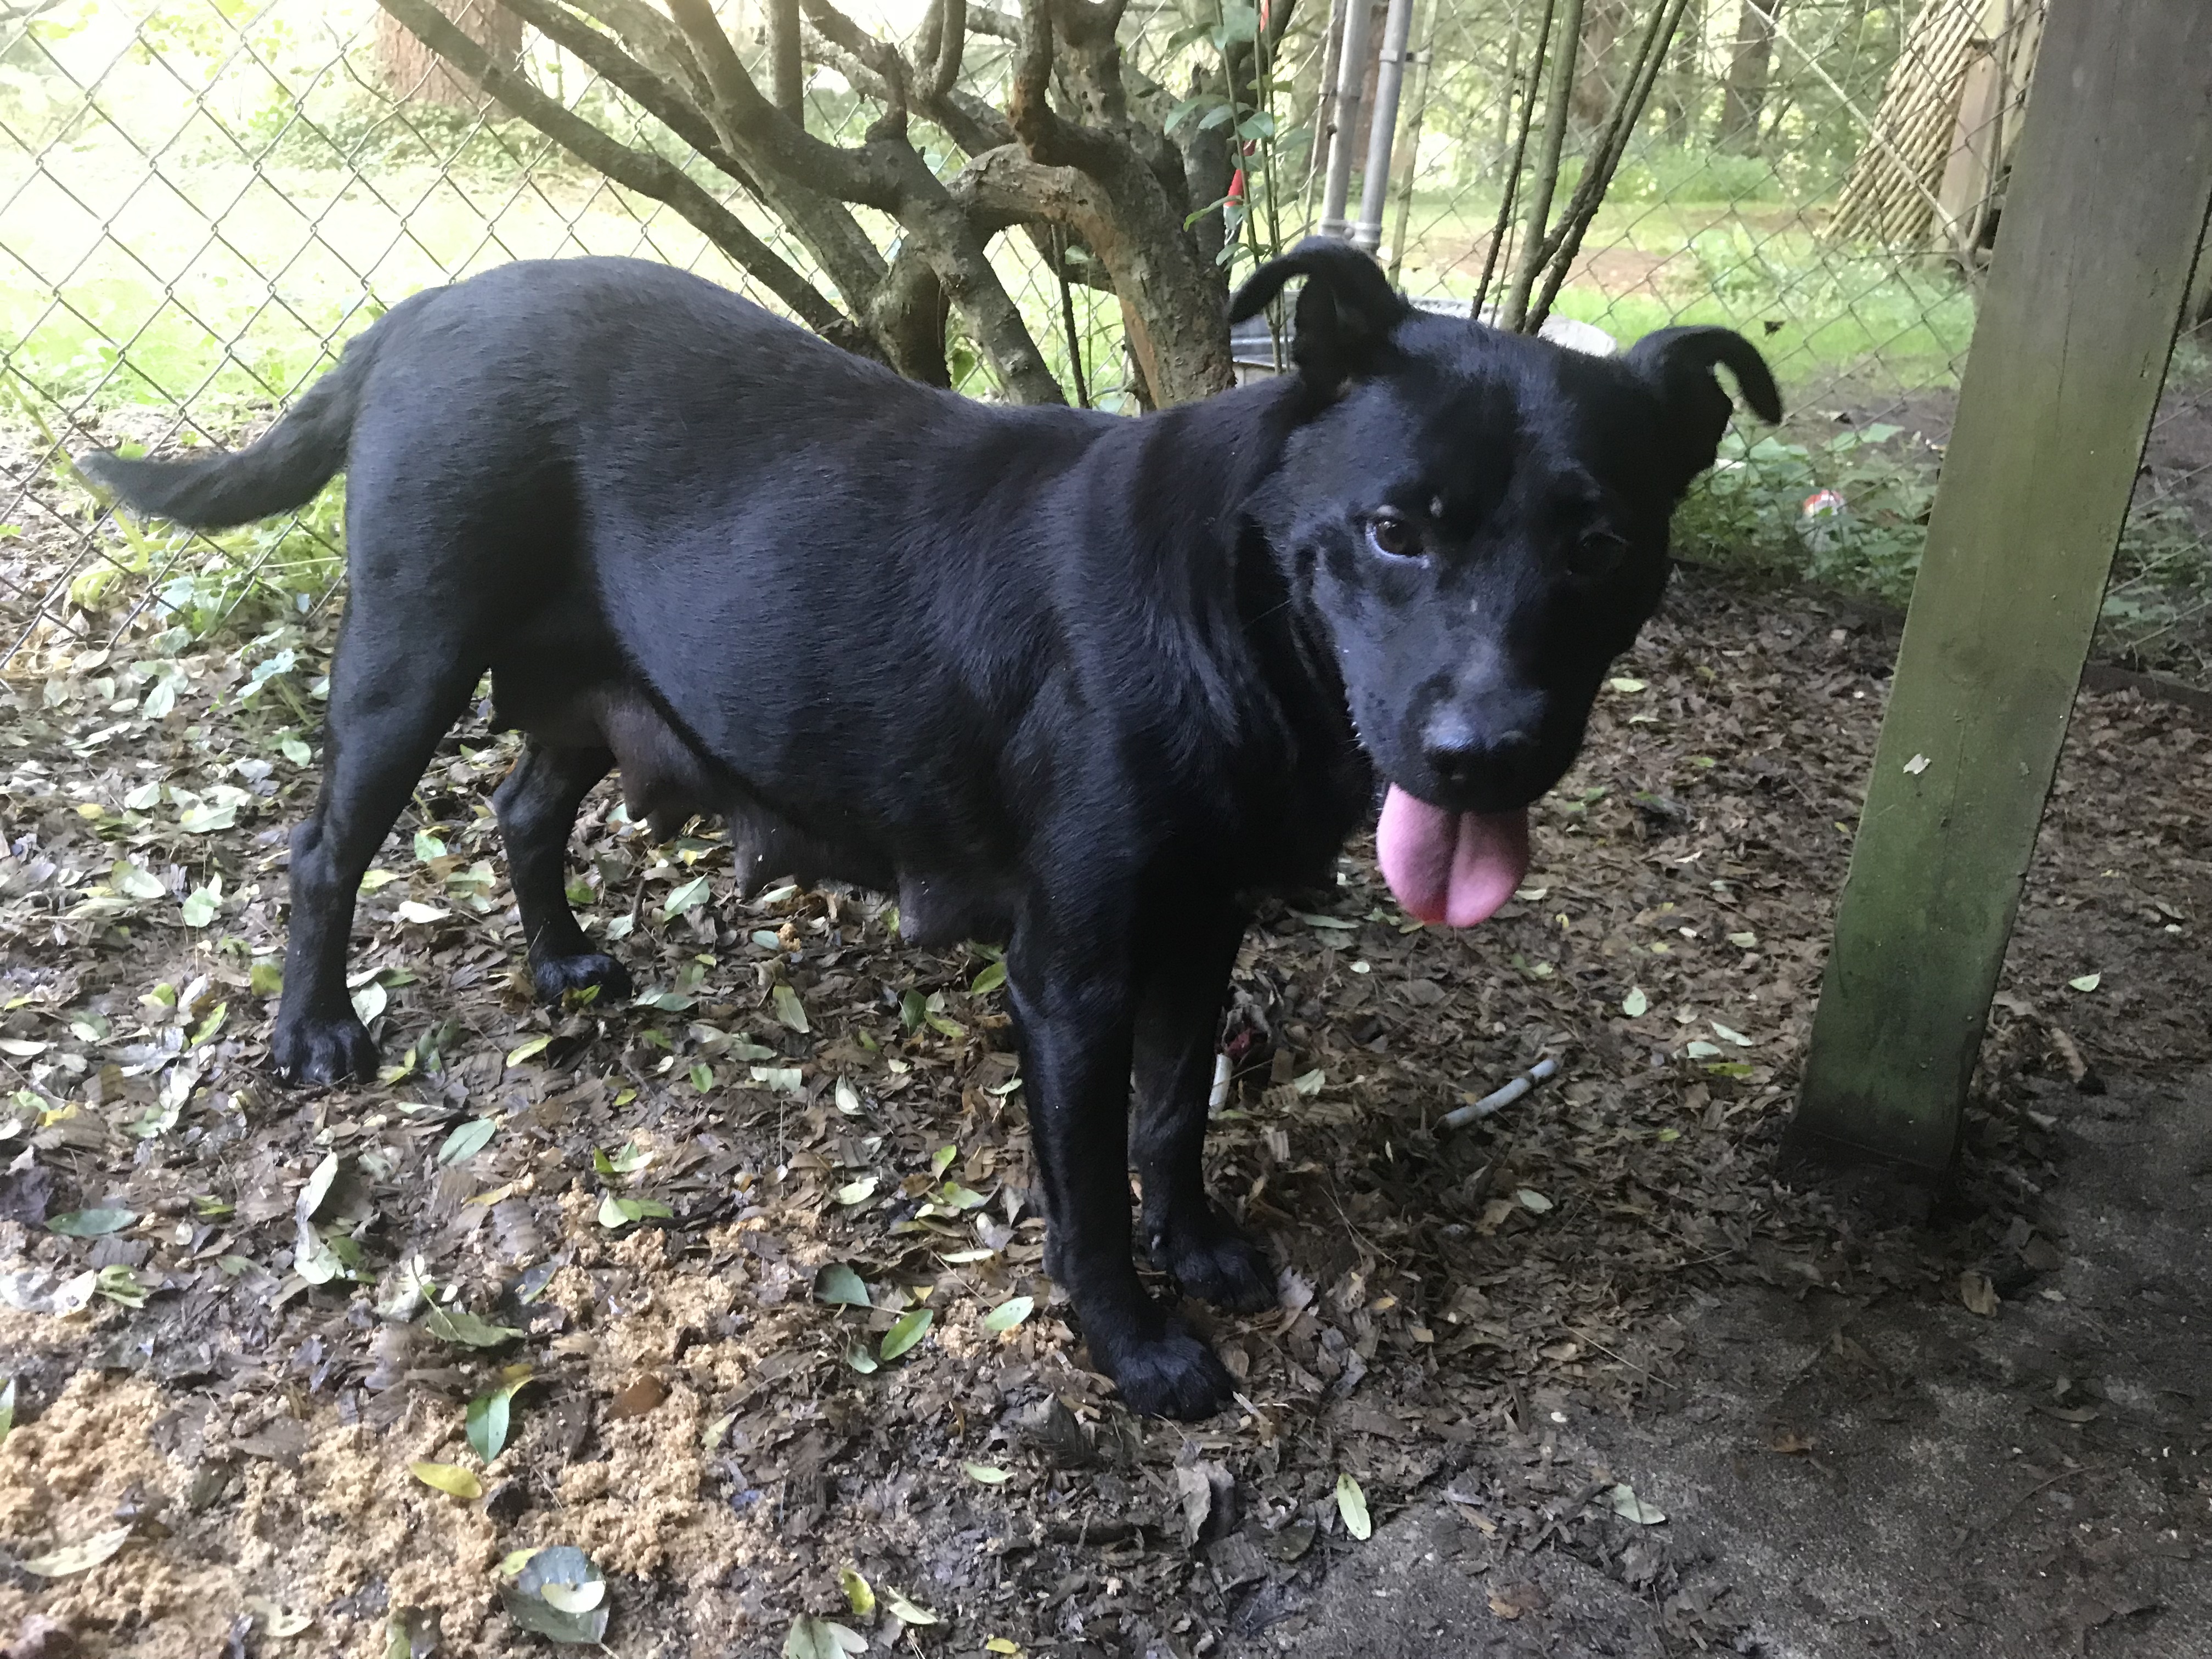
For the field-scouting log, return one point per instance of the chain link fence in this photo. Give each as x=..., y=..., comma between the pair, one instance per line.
x=201, y=199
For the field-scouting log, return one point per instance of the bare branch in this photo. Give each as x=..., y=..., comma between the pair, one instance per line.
x=653, y=94
x=952, y=42
x=986, y=20
x=885, y=60
x=646, y=173
x=787, y=83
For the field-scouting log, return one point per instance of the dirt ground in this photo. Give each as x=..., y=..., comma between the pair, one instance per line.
x=1599, y=1381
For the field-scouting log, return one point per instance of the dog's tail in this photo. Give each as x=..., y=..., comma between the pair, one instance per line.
x=281, y=469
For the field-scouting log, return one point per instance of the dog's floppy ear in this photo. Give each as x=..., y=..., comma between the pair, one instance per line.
x=1681, y=360
x=1345, y=315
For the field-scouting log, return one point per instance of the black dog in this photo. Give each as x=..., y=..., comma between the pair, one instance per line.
x=1079, y=683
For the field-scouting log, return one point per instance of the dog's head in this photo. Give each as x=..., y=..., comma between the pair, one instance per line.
x=1478, y=520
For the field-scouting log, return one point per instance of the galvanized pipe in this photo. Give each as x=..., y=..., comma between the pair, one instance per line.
x=1389, y=77
x=1350, y=75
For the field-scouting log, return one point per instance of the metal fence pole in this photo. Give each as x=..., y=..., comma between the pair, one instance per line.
x=1375, y=183
x=1351, y=76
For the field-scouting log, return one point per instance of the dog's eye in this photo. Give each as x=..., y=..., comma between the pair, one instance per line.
x=1597, y=555
x=1393, y=537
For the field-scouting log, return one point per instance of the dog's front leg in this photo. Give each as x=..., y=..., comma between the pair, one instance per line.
x=1074, y=1016
x=1178, y=1023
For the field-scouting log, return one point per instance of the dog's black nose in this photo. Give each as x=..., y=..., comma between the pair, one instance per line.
x=1458, y=752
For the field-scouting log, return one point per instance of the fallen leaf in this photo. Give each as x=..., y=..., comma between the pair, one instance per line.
x=788, y=1008
x=858, y=1596
x=459, y=1324
x=1977, y=1293
x=1351, y=1504
x=1627, y=1506
x=1634, y=1003
x=466, y=1141
x=565, y=1571
x=985, y=1475
x=688, y=897
x=79, y=1556
x=1532, y=1199
x=906, y=1611
x=1917, y=765
x=90, y=1223
x=416, y=911
x=840, y=1286
x=643, y=1394
x=909, y=1330
x=576, y=1598
x=449, y=1478
x=522, y=1051
x=2087, y=982
x=821, y=1638
x=317, y=1191
x=1009, y=1314
x=276, y=1620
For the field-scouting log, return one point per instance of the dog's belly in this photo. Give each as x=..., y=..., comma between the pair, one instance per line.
x=665, y=782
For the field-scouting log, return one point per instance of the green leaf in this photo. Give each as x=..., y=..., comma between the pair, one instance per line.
x=7, y=1408
x=489, y=1415
x=913, y=1008
x=368, y=1002
x=1009, y=1314
x=858, y=1357
x=840, y=1286
x=208, y=1027
x=458, y=1325
x=565, y=1572
x=907, y=1611
x=295, y=751
x=942, y=1159
x=128, y=879
x=909, y=1330
x=788, y=1008
x=267, y=979
x=199, y=908
x=205, y=820
x=427, y=846
x=2087, y=982
x=522, y=1051
x=1351, y=1504
x=466, y=1141
x=90, y=1223
x=821, y=1638
x=688, y=897
x=450, y=1478
x=1634, y=1003
x=856, y=1192
x=858, y=1596
x=988, y=981
x=985, y=1475
x=120, y=1284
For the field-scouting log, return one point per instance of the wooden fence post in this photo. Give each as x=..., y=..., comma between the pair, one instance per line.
x=2101, y=226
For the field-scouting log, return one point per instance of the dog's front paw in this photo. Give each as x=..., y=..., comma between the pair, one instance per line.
x=318, y=1051
x=555, y=976
x=1211, y=1258
x=1172, y=1374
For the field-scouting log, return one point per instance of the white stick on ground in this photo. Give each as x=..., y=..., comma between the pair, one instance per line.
x=1499, y=1099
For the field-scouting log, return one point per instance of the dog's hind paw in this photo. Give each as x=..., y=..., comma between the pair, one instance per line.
x=320, y=1051
x=1215, y=1263
x=555, y=976
x=1174, y=1374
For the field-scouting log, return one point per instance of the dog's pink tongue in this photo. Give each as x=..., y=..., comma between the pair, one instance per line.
x=1452, y=867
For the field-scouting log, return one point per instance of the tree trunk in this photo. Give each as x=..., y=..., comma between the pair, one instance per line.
x=419, y=76
x=1596, y=73
x=1680, y=88
x=1746, y=96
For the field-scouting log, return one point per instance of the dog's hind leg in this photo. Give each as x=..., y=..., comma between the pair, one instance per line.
x=1178, y=1021
x=536, y=806
x=394, y=691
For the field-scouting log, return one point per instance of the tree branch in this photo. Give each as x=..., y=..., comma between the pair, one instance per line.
x=952, y=44
x=787, y=85
x=646, y=173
